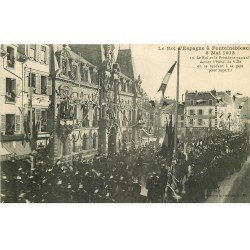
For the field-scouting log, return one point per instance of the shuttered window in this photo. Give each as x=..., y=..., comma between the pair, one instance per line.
x=3, y=123
x=49, y=86
x=18, y=124
x=43, y=54
x=38, y=84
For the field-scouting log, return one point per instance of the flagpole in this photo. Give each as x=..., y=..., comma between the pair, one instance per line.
x=177, y=101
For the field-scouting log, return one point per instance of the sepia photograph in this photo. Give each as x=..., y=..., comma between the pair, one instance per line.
x=124, y=123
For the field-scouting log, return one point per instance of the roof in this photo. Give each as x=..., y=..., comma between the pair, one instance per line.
x=93, y=53
x=71, y=54
x=170, y=109
x=245, y=111
x=199, y=95
x=226, y=98
x=126, y=63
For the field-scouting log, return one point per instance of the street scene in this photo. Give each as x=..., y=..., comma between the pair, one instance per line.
x=105, y=123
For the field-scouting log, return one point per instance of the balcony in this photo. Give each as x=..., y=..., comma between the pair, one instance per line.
x=11, y=62
x=10, y=97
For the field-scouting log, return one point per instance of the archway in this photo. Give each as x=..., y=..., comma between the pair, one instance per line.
x=112, y=141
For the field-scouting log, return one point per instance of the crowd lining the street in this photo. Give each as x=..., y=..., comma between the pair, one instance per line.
x=194, y=172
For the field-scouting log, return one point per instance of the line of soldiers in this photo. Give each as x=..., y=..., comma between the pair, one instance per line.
x=197, y=167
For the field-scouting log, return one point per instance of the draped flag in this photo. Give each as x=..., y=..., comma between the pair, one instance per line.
x=166, y=79
x=168, y=143
x=164, y=149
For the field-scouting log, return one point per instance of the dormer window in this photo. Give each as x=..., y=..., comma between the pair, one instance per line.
x=10, y=57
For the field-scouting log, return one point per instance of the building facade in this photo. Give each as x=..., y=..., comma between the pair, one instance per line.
x=209, y=110
x=70, y=99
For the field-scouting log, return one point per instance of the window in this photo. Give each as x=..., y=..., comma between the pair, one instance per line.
x=75, y=112
x=64, y=67
x=95, y=118
x=182, y=124
x=44, y=121
x=10, y=124
x=94, y=140
x=130, y=115
x=199, y=122
x=10, y=90
x=43, y=85
x=123, y=85
x=210, y=111
x=200, y=111
x=32, y=51
x=32, y=81
x=10, y=57
x=210, y=102
x=43, y=54
x=85, y=73
x=182, y=117
x=191, y=112
x=191, y=102
x=94, y=75
x=191, y=122
x=74, y=72
x=84, y=142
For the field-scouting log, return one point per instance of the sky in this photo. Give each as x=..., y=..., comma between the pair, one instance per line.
x=152, y=64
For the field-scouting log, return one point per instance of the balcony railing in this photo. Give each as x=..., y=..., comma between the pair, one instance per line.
x=10, y=97
x=11, y=62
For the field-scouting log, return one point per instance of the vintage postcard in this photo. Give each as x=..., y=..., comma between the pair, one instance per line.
x=105, y=123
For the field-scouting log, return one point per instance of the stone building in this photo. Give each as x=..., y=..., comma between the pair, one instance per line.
x=25, y=90
x=71, y=99
x=11, y=102
x=121, y=115
x=209, y=110
x=75, y=104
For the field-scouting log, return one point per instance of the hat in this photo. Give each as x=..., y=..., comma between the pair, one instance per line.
x=18, y=177
x=80, y=186
x=69, y=186
x=59, y=182
x=21, y=195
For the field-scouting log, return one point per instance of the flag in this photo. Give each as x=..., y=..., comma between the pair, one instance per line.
x=229, y=115
x=221, y=115
x=164, y=149
x=166, y=79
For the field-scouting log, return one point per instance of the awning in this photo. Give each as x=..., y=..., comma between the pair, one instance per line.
x=3, y=151
x=17, y=148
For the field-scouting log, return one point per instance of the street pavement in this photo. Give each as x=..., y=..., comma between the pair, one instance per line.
x=235, y=188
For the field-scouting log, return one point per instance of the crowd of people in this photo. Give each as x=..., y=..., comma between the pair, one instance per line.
x=196, y=168
x=102, y=179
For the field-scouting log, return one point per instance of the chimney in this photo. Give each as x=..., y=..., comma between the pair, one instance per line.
x=213, y=92
x=228, y=92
